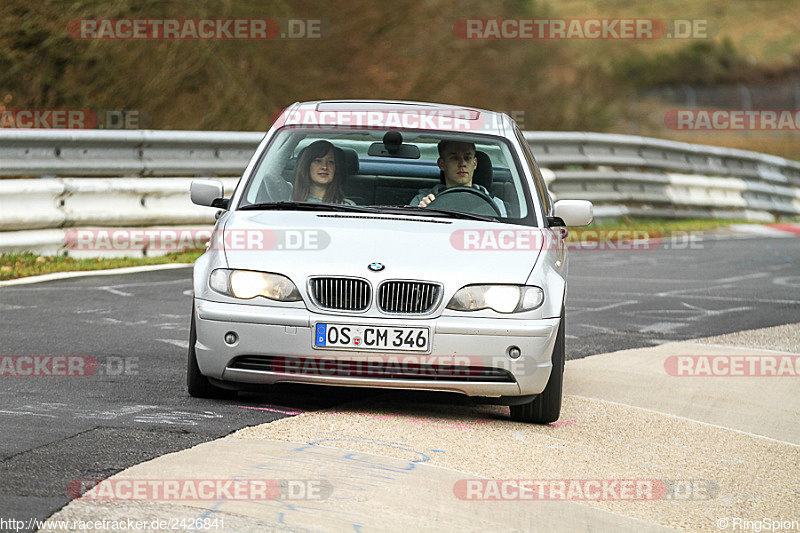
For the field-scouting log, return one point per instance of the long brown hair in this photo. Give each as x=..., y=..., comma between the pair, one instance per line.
x=302, y=173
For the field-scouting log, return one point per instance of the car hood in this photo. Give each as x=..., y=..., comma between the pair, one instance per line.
x=303, y=244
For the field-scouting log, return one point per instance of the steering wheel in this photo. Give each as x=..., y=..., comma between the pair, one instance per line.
x=467, y=200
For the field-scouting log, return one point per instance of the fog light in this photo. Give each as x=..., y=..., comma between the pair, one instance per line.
x=514, y=352
x=231, y=338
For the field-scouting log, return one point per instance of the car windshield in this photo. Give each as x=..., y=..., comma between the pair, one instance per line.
x=390, y=171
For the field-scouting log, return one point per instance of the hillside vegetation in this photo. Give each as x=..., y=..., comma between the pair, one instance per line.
x=397, y=50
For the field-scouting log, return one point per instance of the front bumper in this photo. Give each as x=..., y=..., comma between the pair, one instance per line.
x=281, y=332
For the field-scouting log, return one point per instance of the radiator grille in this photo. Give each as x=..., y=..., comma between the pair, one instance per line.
x=407, y=297
x=343, y=294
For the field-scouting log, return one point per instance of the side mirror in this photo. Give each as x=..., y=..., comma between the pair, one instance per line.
x=574, y=212
x=205, y=192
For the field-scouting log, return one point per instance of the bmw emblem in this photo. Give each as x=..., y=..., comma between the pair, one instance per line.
x=376, y=267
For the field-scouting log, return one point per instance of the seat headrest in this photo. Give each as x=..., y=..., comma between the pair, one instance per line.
x=350, y=158
x=483, y=172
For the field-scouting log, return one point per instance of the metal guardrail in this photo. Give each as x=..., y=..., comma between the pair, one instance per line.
x=645, y=176
x=132, y=153
x=106, y=202
x=146, y=178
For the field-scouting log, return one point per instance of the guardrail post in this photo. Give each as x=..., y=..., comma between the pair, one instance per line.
x=691, y=96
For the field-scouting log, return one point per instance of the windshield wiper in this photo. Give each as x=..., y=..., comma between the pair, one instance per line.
x=439, y=212
x=316, y=206
x=306, y=206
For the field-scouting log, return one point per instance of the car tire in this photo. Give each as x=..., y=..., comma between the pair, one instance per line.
x=196, y=383
x=546, y=407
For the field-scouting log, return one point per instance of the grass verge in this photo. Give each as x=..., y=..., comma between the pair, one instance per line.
x=661, y=226
x=22, y=265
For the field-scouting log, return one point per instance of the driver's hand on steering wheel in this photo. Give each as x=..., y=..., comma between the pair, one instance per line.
x=425, y=201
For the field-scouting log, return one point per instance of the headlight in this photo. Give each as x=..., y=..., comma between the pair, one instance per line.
x=501, y=298
x=246, y=284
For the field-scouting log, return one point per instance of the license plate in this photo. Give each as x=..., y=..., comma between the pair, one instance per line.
x=353, y=337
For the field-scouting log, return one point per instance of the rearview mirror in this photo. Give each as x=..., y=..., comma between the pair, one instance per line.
x=405, y=151
x=574, y=212
x=205, y=192
x=392, y=146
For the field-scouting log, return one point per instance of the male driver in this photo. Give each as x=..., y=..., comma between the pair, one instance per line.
x=458, y=163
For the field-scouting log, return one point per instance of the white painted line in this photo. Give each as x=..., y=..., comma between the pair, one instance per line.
x=587, y=299
x=786, y=283
x=28, y=413
x=117, y=321
x=612, y=306
x=180, y=344
x=691, y=314
x=716, y=312
x=689, y=419
x=742, y=277
x=663, y=327
x=115, y=291
x=118, y=286
x=86, y=311
x=716, y=284
x=643, y=280
x=12, y=307
x=601, y=329
x=83, y=273
x=659, y=342
x=708, y=297
x=757, y=229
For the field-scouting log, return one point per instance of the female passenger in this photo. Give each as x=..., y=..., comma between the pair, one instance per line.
x=319, y=174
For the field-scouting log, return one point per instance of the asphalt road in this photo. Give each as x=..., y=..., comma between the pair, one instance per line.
x=56, y=430
x=627, y=299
